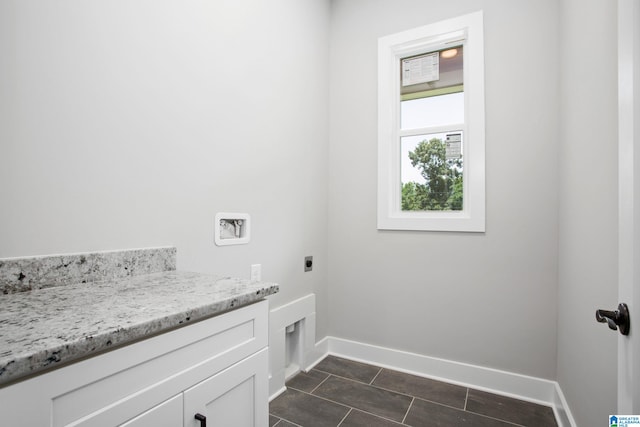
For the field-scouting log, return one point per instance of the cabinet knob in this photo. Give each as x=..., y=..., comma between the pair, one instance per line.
x=202, y=419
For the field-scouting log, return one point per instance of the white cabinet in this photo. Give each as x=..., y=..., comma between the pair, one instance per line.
x=216, y=367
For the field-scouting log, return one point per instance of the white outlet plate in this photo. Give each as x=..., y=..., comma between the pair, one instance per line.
x=256, y=272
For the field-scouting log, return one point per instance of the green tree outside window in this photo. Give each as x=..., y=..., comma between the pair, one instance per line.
x=442, y=189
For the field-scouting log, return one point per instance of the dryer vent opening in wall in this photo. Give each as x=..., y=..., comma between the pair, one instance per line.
x=293, y=351
x=232, y=228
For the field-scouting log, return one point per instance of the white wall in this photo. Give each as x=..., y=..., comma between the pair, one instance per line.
x=588, y=209
x=487, y=299
x=130, y=123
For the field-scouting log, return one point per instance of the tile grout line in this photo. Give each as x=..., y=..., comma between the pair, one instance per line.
x=375, y=376
x=321, y=382
x=322, y=398
x=408, y=409
x=345, y=417
x=368, y=385
x=497, y=419
x=340, y=376
x=466, y=399
x=400, y=393
x=285, y=420
x=344, y=405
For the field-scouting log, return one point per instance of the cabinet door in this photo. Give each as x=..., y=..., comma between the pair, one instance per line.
x=166, y=414
x=237, y=396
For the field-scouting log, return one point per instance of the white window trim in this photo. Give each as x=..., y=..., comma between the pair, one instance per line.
x=468, y=30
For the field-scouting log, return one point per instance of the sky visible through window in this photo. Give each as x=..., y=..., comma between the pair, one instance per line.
x=422, y=113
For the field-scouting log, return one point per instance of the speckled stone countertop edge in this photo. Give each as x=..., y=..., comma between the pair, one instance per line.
x=235, y=293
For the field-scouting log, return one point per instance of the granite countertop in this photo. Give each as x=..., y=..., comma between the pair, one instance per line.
x=46, y=328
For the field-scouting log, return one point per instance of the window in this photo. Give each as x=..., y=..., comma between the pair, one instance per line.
x=431, y=127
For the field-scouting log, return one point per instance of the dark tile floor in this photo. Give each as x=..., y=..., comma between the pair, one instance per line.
x=344, y=393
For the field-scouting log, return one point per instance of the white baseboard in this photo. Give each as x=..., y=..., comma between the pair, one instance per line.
x=277, y=393
x=321, y=351
x=523, y=387
x=561, y=409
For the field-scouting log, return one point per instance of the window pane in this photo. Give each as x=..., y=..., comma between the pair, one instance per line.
x=432, y=111
x=431, y=172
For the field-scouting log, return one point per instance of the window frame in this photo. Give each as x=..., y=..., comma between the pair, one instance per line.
x=465, y=30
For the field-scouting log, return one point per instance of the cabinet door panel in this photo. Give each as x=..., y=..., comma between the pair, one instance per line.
x=237, y=396
x=167, y=414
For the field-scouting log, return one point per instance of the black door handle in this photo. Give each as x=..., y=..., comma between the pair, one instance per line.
x=202, y=419
x=616, y=319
